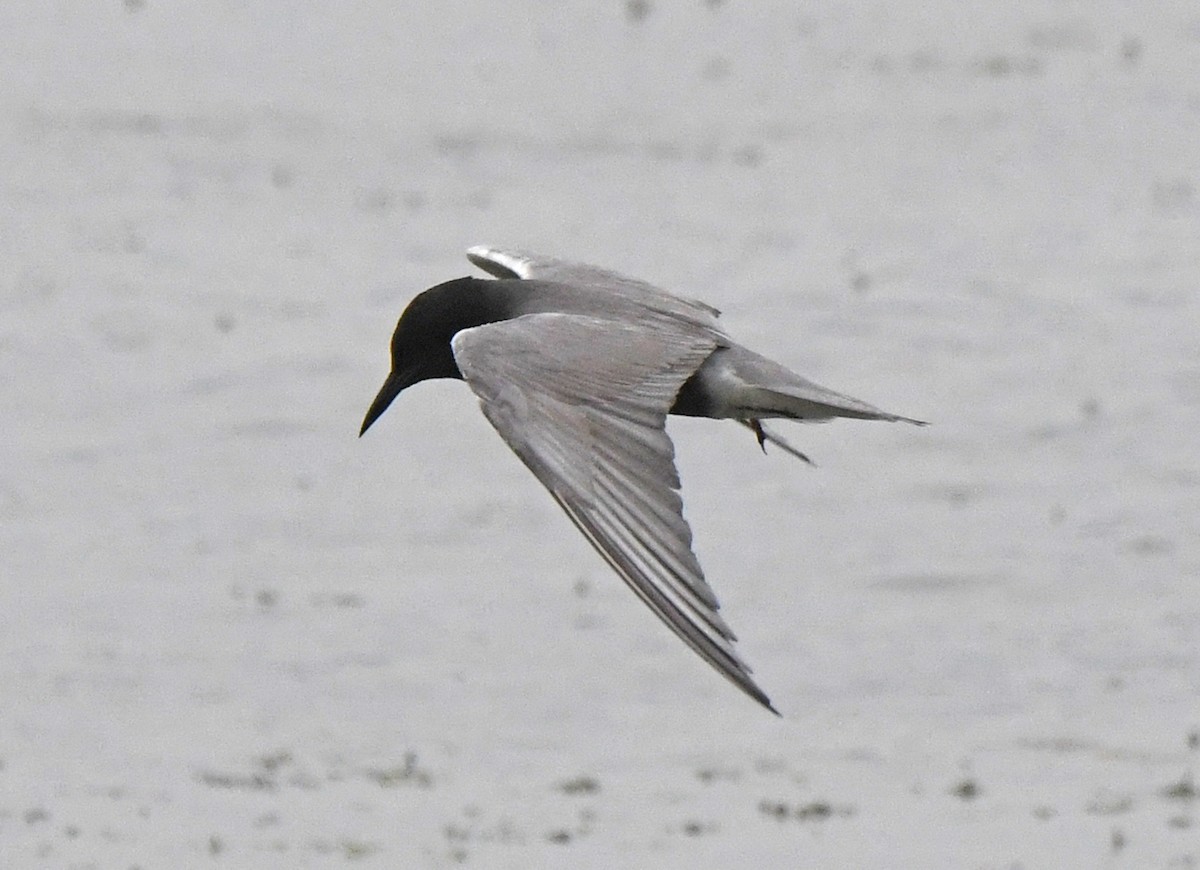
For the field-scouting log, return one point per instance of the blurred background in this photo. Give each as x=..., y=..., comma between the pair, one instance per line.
x=232, y=634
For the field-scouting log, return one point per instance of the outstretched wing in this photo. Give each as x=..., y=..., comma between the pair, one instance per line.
x=519, y=264
x=583, y=401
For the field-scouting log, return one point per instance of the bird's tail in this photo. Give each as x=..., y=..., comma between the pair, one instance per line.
x=754, y=387
x=767, y=389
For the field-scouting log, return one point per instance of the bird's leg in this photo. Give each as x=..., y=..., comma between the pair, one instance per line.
x=756, y=427
x=764, y=435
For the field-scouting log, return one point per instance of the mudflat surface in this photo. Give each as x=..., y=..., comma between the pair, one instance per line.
x=234, y=635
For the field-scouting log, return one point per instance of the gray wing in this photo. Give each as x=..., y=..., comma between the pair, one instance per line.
x=583, y=402
x=504, y=263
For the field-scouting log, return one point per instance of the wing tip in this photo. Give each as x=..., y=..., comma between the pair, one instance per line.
x=751, y=688
x=498, y=262
x=735, y=669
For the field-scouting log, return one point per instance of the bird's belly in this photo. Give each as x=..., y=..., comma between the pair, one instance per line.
x=708, y=392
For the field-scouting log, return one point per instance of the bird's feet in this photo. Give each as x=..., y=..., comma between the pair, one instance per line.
x=757, y=429
x=764, y=435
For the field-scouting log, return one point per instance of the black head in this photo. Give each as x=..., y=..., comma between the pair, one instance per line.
x=421, y=347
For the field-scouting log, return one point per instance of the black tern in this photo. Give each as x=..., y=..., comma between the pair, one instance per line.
x=577, y=368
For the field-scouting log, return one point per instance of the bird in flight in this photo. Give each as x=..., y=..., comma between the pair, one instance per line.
x=577, y=368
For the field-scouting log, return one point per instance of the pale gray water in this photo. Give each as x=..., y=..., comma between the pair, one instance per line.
x=233, y=634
